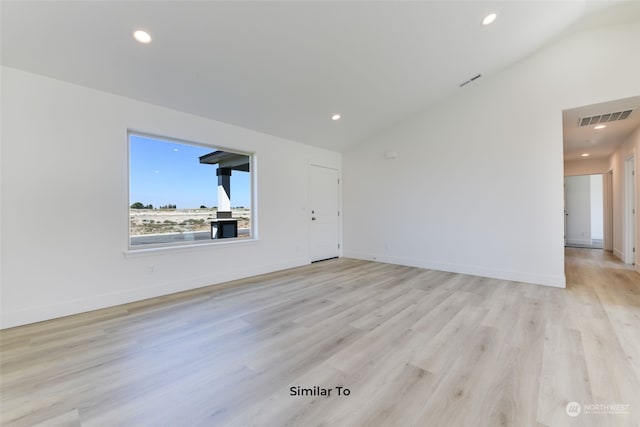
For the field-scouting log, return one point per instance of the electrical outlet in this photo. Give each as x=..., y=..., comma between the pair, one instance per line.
x=151, y=269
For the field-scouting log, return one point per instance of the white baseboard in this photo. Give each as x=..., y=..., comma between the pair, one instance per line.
x=11, y=319
x=580, y=242
x=515, y=276
x=619, y=254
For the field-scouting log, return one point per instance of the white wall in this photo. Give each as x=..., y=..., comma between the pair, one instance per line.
x=586, y=166
x=65, y=206
x=630, y=147
x=578, y=208
x=477, y=184
x=596, y=206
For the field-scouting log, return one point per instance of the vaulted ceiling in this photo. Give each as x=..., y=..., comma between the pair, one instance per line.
x=284, y=68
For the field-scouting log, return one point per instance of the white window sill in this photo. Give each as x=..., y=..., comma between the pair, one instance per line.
x=153, y=250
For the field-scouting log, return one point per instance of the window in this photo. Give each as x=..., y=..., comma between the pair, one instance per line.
x=185, y=193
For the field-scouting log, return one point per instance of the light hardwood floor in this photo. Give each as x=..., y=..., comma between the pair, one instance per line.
x=414, y=347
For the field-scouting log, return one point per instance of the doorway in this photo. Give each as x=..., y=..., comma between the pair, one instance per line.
x=584, y=211
x=324, y=213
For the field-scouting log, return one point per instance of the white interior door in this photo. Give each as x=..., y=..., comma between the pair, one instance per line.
x=584, y=211
x=578, y=210
x=324, y=228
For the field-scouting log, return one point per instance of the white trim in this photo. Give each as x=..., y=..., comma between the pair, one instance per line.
x=11, y=319
x=629, y=233
x=608, y=209
x=579, y=242
x=253, y=197
x=619, y=254
x=515, y=276
x=153, y=250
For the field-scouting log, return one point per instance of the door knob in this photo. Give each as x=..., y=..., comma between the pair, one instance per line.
x=313, y=218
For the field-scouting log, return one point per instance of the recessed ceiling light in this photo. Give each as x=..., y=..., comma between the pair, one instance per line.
x=489, y=18
x=336, y=117
x=142, y=36
x=585, y=154
x=600, y=127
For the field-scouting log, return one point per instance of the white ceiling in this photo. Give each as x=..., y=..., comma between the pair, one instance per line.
x=284, y=68
x=598, y=143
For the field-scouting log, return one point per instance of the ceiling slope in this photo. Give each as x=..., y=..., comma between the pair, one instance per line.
x=282, y=68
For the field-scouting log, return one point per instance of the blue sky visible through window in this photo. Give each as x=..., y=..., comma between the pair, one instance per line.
x=164, y=172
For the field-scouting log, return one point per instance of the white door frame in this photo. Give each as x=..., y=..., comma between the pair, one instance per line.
x=576, y=241
x=311, y=165
x=608, y=210
x=564, y=209
x=629, y=235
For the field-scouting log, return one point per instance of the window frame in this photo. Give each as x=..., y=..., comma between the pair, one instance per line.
x=192, y=244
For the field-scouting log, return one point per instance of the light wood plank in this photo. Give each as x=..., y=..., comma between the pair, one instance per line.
x=415, y=347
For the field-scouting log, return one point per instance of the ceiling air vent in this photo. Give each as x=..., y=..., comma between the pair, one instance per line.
x=605, y=118
x=474, y=78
